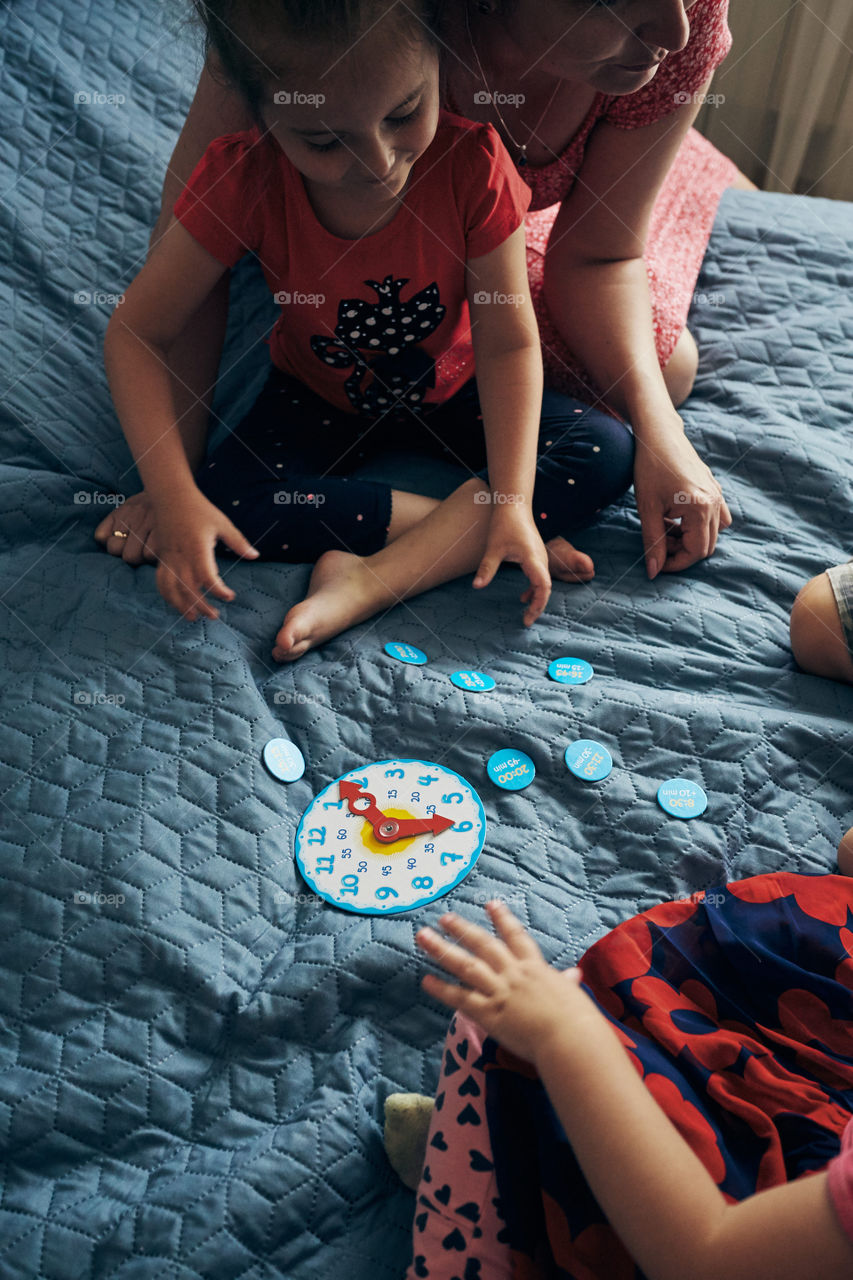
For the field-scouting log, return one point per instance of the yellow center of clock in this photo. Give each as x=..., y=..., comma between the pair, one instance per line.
x=368, y=839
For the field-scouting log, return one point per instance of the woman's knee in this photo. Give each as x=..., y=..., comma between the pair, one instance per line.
x=679, y=373
x=817, y=637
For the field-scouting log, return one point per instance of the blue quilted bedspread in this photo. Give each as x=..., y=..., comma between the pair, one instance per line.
x=195, y=1050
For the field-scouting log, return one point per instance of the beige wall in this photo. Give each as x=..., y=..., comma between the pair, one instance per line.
x=787, y=85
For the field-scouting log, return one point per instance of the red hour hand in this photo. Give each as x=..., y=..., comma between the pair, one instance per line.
x=400, y=828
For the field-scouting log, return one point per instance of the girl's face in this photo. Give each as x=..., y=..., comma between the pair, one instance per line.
x=614, y=46
x=355, y=123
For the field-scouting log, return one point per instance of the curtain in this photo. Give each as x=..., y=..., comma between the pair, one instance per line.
x=781, y=105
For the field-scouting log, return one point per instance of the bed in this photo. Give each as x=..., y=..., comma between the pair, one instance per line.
x=195, y=1049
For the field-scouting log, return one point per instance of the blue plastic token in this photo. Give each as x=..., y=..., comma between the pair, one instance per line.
x=570, y=671
x=405, y=652
x=284, y=761
x=588, y=760
x=474, y=681
x=682, y=798
x=511, y=769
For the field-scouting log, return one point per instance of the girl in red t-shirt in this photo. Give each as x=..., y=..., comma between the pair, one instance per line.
x=391, y=236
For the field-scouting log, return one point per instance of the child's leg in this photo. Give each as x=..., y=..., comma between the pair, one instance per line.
x=278, y=477
x=457, y=1225
x=346, y=589
x=822, y=624
x=585, y=463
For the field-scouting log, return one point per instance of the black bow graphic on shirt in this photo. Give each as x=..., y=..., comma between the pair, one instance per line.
x=393, y=328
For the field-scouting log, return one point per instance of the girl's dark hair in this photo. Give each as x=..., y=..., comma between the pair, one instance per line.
x=232, y=26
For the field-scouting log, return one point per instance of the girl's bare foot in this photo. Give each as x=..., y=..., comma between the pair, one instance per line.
x=342, y=592
x=845, y=854
x=448, y=542
x=568, y=564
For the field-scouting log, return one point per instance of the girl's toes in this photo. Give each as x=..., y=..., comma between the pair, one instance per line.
x=567, y=563
x=291, y=642
x=284, y=653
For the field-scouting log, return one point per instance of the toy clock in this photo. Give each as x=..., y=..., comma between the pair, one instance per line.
x=390, y=836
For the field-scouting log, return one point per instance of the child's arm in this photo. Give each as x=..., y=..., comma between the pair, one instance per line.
x=508, y=361
x=216, y=109
x=175, y=280
x=654, y=1190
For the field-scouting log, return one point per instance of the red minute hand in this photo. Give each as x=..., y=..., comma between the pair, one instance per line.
x=352, y=793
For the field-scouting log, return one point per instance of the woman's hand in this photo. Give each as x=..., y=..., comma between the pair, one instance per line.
x=671, y=482
x=514, y=537
x=508, y=987
x=135, y=519
x=188, y=529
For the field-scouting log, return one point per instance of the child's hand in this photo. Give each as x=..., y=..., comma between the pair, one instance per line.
x=188, y=530
x=509, y=989
x=513, y=536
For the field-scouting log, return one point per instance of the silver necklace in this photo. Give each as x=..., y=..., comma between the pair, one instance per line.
x=521, y=147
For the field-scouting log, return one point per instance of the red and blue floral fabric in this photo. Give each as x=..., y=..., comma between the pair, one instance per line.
x=736, y=1008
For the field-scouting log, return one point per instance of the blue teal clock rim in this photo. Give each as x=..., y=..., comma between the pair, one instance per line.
x=411, y=906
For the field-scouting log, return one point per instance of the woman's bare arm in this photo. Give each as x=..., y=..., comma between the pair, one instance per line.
x=216, y=109
x=597, y=291
x=599, y=238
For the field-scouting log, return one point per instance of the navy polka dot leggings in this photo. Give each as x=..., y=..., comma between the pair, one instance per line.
x=285, y=474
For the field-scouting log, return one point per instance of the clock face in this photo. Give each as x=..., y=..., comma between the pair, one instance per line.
x=393, y=835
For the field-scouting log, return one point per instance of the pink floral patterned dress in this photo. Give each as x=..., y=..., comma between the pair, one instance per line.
x=685, y=209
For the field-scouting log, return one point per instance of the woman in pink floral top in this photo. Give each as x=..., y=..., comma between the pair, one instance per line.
x=594, y=100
